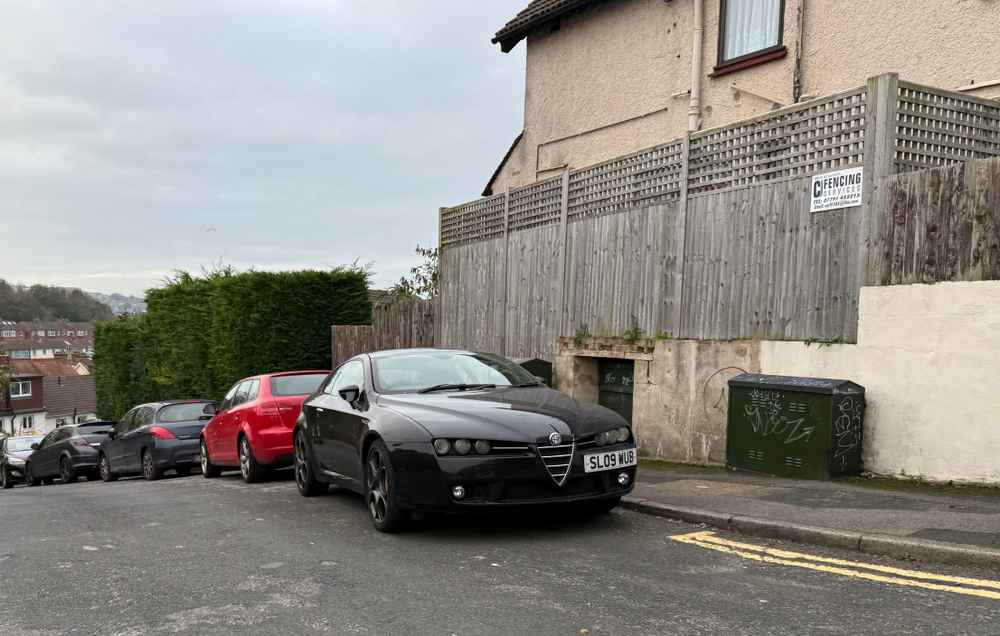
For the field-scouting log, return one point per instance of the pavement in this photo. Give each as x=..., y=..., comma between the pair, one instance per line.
x=195, y=556
x=906, y=520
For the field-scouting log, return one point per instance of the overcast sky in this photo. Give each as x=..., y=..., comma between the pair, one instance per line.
x=137, y=138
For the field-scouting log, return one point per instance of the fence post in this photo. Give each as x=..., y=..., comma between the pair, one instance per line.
x=677, y=311
x=881, y=114
x=506, y=257
x=564, y=266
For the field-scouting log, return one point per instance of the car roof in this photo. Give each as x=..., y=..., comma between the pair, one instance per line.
x=159, y=405
x=389, y=353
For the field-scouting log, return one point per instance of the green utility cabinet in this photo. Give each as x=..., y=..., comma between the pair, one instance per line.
x=617, y=386
x=795, y=427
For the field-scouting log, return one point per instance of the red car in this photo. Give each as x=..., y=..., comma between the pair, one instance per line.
x=252, y=429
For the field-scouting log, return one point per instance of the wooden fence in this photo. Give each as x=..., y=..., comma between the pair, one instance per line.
x=397, y=325
x=709, y=236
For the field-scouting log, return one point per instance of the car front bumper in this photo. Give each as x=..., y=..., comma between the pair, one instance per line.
x=425, y=481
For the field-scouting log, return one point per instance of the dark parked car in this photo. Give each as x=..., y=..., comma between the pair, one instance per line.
x=426, y=430
x=13, y=452
x=154, y=438
x=68, y=452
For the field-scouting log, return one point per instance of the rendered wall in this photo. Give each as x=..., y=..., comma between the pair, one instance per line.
x=929, y=357
x=611, y=79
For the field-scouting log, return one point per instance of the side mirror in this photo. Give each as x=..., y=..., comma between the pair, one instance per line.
x=34, y=446
x=210, y=410
x=541, y=380
x=112, y=434
x=350, y=394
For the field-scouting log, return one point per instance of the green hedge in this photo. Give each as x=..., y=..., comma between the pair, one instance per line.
x=201, y=334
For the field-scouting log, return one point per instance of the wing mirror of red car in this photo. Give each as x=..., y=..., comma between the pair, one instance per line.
x=350, y=394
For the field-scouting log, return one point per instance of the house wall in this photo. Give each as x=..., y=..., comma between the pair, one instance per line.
x=606, y=82
x=927, y=356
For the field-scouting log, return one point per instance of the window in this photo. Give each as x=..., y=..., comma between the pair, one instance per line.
x=227, y=402
x=27, y=422
x=174, y=413
x=409, y=372
x=52, y=333
x=352, y=374
x=750, y=31
x=296, y=384
x=20, y=389
x=20, y=355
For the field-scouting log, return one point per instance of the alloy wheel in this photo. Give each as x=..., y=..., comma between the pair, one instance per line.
x=105, y=468
x=147, y=466
x=4, y=477
x=245, y=458
x=301, y=465
x=378, y=489
x=204, y=458
x=64, y=472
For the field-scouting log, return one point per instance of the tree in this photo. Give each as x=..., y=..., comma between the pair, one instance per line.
x=423, y=280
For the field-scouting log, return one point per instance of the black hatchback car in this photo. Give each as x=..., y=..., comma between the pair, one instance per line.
x=69, y=452
x=154, y=438
x=13, y=452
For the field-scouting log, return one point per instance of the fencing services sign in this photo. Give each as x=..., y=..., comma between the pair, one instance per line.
x=835, y=190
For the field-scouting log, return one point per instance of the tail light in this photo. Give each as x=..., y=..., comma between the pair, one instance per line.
x=161, y=433
x=79, y=442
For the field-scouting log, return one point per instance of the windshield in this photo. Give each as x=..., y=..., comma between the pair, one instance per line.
x=296, y=384
x=410, y=372
x=183, y=412
x=18, y=444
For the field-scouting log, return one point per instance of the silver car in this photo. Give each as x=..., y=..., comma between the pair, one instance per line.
x=13, y=452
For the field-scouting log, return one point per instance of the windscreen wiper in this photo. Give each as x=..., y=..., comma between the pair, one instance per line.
x=456, y=387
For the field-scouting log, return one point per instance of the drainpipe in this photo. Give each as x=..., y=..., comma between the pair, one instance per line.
x=694, y=111
x=800, y=15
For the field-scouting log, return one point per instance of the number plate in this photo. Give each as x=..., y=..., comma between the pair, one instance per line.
x=597, y=462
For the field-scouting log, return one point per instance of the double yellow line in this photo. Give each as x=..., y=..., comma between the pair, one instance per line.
x=866, y=571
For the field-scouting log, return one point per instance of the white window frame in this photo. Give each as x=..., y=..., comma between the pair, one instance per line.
x=19, y=384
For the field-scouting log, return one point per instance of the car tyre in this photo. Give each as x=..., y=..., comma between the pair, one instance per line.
x=29, y=477
x=104, y=469
x=150, y=470
x=67, y=472
x=380, y=490
x=305, y=480
x=252, y=471
x=6, y=480
x=208, y=469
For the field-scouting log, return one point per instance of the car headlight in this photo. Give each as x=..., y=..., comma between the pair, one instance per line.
x=482, y=447
x=623, y=434
x=14, y=461
x=603, y=438
x=463, y=446
x=442, y=446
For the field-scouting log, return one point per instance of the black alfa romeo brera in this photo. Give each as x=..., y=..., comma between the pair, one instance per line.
x=430, y=430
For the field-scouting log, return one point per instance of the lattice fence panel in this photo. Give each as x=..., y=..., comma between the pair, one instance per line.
x=643, y=178
x=801, y=140
x=536, y=204
x=476, y=221
x=939, y=128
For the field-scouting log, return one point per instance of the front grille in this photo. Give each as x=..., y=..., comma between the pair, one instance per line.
x=557, y=460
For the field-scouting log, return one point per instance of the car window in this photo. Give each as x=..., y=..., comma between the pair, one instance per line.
x=227, y=402
x=49, y=439
x=332, y=381
x=253, y=391
x=143, y=418
x=414, y=371
x=351, y=374
x=121, y=426
x=173, y=413
x=241, y=393
x=296, y=384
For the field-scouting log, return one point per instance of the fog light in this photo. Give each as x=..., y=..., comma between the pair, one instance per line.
x=458, y=492
x=623, y=479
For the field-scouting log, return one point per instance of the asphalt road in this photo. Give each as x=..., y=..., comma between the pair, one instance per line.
x=195, y=556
